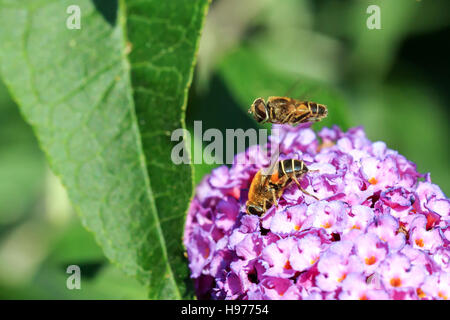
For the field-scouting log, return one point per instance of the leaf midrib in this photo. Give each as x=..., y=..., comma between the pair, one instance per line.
x=122, y=18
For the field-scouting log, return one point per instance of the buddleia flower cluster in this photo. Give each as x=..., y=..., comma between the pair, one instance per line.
x=379, y=231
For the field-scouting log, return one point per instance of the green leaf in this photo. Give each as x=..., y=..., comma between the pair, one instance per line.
x=22, y=165
x=50, y=284
x=76, y=246
x=373, y=53
x=103, y=101
x=249, y=76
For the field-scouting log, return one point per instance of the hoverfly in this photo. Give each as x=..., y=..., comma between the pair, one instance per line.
x=282, y=110
x=267, y=188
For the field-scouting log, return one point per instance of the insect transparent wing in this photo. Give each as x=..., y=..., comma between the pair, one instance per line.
x=304, y=96
x=273, y=163
x=293, y=86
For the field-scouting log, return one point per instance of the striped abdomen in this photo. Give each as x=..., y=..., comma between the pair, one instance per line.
x=286, y=170
x=316, y=110
x=291, y=167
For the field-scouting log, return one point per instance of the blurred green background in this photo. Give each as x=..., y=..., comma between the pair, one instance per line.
x=392, y=81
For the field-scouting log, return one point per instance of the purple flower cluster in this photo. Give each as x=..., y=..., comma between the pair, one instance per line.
x=380, y=231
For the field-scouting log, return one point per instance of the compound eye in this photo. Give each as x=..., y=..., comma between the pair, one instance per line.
x=259, y=107
x=254, y=210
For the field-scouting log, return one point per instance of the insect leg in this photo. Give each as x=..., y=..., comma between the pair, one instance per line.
x=289, y=118
x=303, y=190
x=296, y=181
x=286, y=118
x=309, y=194
x=274, y=196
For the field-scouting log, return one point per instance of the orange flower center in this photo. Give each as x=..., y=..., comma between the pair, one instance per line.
x=420, y=293
x=363, y=297
x=342, y=278
x=442, y=295
x=287, y=265
x=356, y=227
x=396, y=282
x=314, y=260
x=206, y=253
x=370, y=261
x=296, y=227
x=326, y=225
x=373, y=180
x=419, y=242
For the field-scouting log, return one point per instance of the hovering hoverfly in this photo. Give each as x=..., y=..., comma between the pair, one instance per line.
x=266, y=188
x=284, y=110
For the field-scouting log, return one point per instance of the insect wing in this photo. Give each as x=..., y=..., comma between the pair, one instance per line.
x=273, y=164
